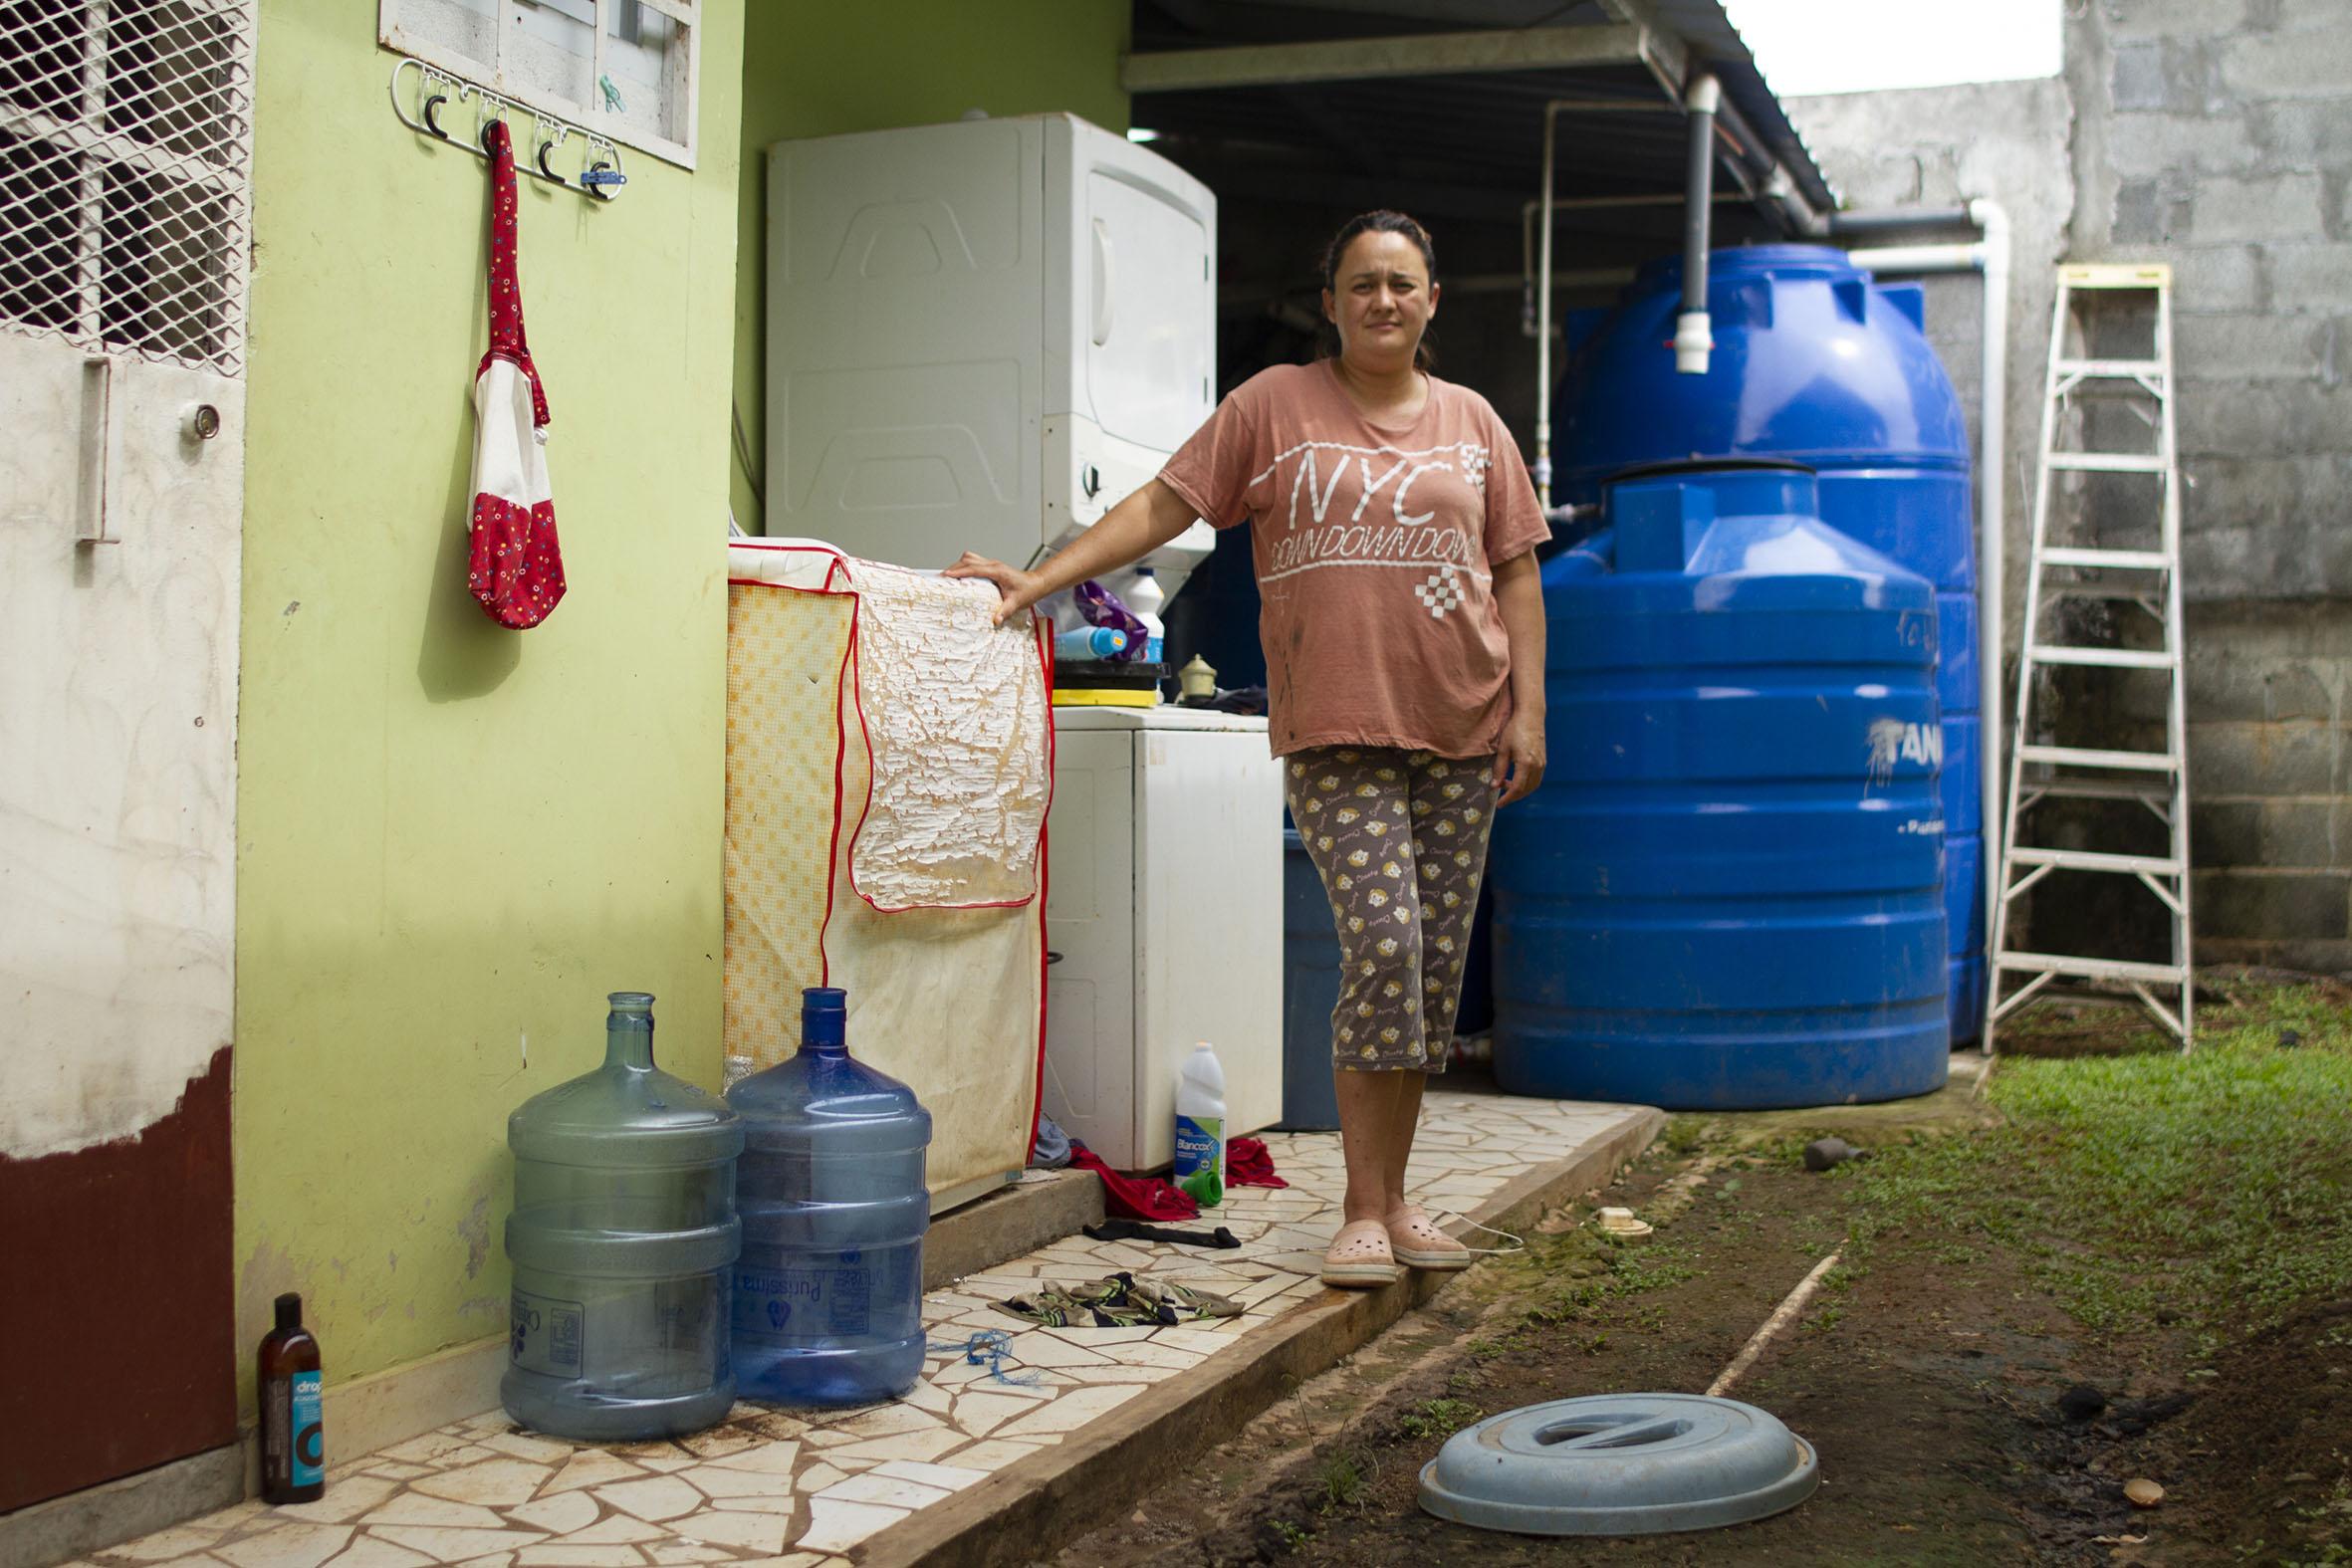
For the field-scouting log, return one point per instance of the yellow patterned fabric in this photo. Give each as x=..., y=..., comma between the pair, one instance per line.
x=785, y=651
x=949, y=1001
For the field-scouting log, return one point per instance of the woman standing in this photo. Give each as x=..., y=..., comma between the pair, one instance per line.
x=1393, y=527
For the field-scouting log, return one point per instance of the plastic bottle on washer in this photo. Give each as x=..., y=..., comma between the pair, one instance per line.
x=1145, y=598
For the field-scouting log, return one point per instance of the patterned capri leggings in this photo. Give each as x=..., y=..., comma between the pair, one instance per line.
x=1400, y=841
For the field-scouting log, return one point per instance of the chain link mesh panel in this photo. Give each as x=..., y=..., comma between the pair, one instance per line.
x=126, y=143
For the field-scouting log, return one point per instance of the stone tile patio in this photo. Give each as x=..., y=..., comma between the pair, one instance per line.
x=800, y=1487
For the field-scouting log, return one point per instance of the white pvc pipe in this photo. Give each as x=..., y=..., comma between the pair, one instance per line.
x=1991, y=257
x=1693, y=334
x=1782, y=1315
x=1993, y=416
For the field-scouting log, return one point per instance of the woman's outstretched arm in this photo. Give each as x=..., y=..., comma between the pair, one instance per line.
x=1128, y=532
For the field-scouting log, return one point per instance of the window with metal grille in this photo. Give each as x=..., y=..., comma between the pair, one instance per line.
x=125, y=138
x=624, y=68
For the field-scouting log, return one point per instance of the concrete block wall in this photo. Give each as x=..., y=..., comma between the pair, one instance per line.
x=2217, y=136
x=2214, y=135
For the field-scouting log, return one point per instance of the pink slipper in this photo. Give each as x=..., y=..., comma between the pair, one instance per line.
x=1359, y=1256
x=1415, y=1239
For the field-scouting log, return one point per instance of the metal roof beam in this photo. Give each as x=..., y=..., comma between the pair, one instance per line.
x=1363, y=59
x=1661, y=47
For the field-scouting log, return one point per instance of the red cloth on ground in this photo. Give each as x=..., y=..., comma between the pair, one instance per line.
x=1134, y=1197
x=1246, y=1164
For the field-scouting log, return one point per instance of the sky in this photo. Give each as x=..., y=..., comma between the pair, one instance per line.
x=1807, y=47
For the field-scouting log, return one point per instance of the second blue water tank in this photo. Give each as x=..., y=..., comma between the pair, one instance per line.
x=1816, y=364
x=828, y=1292
x=1727, y=891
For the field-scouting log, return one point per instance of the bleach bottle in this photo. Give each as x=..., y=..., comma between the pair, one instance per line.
x=1200, y=1126
x=1145, y=598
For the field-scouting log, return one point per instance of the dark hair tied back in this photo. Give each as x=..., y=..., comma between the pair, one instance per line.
x=1382, y=221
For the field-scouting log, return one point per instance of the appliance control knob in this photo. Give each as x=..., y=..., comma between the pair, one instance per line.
x=1090, y=481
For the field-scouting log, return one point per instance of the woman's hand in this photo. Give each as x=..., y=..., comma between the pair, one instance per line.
x=1020, y=590
x=1518, y=760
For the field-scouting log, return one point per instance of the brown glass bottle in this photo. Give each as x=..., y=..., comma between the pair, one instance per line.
x=293, y=1433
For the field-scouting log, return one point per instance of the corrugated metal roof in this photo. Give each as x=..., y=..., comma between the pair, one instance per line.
x=1707, y=29
x=1458, y=146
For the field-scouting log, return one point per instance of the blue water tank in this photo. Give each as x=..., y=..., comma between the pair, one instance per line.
x=1728, y=893
x=828, y=1294
x=1816, y=364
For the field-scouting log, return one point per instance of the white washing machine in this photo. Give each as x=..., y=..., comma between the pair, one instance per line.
x=982, y=335
x=1166, y=910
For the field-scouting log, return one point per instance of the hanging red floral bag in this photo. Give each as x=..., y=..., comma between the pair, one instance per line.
x=515, y=567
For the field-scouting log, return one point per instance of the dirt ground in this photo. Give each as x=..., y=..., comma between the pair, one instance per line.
x=1928, y=1376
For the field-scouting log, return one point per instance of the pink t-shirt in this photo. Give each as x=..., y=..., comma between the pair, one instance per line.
x=1375, y=550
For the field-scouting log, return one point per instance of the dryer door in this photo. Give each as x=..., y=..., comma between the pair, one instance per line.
x=1145, y=264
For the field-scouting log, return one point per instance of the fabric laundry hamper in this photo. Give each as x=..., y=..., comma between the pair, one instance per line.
x=842, y=871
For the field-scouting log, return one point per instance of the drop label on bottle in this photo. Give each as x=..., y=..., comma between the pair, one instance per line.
x=310, y=1429
x=805, y=1305
x=546, y=1334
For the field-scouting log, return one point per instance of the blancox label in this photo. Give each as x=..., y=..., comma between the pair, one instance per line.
x=310, y=1429
x=1197, y=1143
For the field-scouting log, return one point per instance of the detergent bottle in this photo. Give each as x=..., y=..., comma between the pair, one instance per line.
x=1145, y=598
x=1200, y=1126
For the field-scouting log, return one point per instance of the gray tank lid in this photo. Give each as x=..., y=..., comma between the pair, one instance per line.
x=1619, y=1465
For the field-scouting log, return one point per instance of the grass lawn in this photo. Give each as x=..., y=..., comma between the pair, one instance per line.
x=2147, y=1188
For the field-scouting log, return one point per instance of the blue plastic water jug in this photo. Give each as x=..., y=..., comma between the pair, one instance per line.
x=623, y=1240
x=829, y=1291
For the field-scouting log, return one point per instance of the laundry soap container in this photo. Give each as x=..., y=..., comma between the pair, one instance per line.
x=828, y=1294
x=623, y=1238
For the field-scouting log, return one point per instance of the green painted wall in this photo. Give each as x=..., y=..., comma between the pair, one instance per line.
x=455, y=838
x=811, y=71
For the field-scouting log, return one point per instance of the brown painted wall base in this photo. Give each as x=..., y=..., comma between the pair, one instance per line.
x=119, y=1323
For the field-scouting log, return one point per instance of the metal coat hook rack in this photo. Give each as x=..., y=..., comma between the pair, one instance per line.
x=426, y=105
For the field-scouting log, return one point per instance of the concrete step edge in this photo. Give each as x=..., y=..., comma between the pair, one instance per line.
x=1030, y=1509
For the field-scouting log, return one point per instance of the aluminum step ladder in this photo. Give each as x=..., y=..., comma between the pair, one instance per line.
x=2129, y=583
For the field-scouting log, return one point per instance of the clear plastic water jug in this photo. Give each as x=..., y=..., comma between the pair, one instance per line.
x=623, y=1238
x=828, y=1292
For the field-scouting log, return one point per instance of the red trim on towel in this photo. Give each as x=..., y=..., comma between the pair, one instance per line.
x=833, y=849
x=1037, y=1099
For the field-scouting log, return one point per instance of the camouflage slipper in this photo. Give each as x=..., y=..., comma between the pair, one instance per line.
x=1098, y=1303
x=1046, y=1309
x=1177, y=1303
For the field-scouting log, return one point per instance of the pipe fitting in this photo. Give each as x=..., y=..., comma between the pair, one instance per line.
x=1694, y=341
